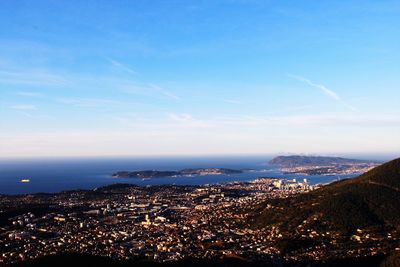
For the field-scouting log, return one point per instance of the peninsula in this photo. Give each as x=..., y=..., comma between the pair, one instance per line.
x=317, y=165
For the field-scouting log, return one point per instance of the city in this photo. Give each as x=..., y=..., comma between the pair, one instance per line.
x=166, y=223
x=162, y=223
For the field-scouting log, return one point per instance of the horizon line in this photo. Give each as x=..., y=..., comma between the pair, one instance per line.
x=272, y=154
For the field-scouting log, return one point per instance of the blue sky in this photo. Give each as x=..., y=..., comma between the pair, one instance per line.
x=83, y=78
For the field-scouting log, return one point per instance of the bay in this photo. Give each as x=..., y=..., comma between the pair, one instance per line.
x=60, y=174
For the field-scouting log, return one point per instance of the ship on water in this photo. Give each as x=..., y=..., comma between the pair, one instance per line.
x=25, y=180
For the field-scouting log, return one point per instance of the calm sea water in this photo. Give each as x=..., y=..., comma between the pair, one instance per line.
x=55, y=175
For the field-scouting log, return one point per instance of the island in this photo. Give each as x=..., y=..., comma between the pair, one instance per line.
x=318, y=165
x=184, y=172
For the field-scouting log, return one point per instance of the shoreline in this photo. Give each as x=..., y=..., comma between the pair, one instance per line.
x=128, y=185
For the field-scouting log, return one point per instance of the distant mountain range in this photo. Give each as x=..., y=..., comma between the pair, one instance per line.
x=371, y=200
x=296, y=160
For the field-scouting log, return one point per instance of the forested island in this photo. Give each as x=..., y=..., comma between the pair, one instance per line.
x=184, y=172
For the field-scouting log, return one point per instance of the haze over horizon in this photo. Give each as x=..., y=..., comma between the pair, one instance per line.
x=199, y=78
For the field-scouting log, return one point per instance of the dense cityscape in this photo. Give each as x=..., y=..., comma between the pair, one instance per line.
x=165, y=223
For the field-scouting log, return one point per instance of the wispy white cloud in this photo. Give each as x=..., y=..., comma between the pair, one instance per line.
x=177, y=135
x=121, y=66
x=127, y=119
x=164, y=92
x=24, y=107
x=31, y=77
x=150, y=90
x=29, y=94
x=86, y=102
x=187, y=120
x=328, y=120
x=260, y=123
x=232, y=101
x=328, y=92
x=306, y=121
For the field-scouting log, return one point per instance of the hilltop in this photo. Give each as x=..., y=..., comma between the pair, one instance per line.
x=368, y=201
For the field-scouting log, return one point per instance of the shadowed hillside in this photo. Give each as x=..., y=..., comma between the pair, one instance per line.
x=370, y=200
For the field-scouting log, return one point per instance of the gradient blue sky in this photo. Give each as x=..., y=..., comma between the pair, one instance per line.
x=82, y=78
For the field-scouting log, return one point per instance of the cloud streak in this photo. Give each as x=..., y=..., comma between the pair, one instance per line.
x=149, y=87
x=121, y=66
x=232, y=101
x=24, y=107
x=29, y=94
x=31, y=77
x=187, y=120
x=328, y=92
x=86, y=102
x=181, y=134
x=150, y=90
x=164, y=92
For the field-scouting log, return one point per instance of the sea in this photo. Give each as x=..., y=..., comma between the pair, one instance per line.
x=62, y=174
